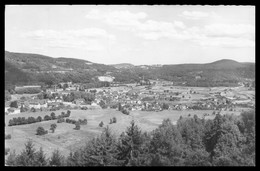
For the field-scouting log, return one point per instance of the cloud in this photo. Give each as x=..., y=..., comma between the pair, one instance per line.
x=196, y=15
x=230, y=30
x=138, y=24
x=87, y=39
x=225, y=42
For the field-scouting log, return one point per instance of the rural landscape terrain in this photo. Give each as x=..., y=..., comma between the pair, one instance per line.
x=106, y=102
x=129, y=85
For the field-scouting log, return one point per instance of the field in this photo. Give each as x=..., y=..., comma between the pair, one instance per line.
x=66, y=138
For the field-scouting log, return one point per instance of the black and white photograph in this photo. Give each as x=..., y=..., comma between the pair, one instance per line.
x=129, y=85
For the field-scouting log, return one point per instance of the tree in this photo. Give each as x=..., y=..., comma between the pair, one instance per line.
x=165, y=106
x=14, y=104
x=41, y=159
x=53, y=127
x=56, y=159
x=39, y=119
x=11, y=122
x=100, y=151
x=167, y=145
x=47, y=117
x=53, y=116
x=130, y=143
x=119, y=107
x=114, y=119
x=77, y=126
x=8, y=136
x=27, y=156
x=41, y=131
x=33, y=109
x=68, y=113
x=101, y=124
x=11, y=159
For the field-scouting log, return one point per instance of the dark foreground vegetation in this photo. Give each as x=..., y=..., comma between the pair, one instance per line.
x=226, y=140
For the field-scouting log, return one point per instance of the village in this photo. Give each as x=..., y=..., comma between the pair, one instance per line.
x=146, y=95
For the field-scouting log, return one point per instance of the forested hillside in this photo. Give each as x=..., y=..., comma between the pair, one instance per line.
x=227, y=140
x=23, y=68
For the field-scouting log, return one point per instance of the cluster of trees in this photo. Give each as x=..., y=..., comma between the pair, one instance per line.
x=210, y=83
x=41, y=131
x=29, y=120
x=28, y=90
x=88, y=97
x=31, y=157
x=227, y=140
x=113, y=120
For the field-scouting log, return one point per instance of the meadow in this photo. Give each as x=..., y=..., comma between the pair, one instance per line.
x=66, y=137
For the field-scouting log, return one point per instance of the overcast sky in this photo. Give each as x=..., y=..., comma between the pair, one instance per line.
x=159, y=34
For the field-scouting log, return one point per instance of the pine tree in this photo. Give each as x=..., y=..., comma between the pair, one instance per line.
x=27, y=156
x=11, y=159
x=56, y=159
x=101, y=151
x=41, y=159
x=130, y=143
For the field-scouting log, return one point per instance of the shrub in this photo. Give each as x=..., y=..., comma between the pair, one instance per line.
x=101, y=124
x=14, y=104
x=11, y=122
x=8, y=136
x=114, y=119
x=111, y=121
x=39, y=119
x=53, y=127
x=41, y=131
x=125, y=111
x=31, y=120
x=60, y=120
x=77, y=124
x=33, y=109
x=7, y=150
x=47, y=117
x=53, y=116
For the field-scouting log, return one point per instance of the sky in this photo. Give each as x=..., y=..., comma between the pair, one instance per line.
x=136, y=34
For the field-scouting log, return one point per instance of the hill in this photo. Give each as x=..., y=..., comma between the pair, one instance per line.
x=123, y=65
x=25, y=68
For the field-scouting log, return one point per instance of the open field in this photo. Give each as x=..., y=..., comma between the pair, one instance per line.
x=65, y=137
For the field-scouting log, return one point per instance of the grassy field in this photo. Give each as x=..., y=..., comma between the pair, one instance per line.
x=66, y=138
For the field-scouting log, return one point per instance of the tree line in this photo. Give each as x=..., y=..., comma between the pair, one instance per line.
x=227, y=140
x=30, y=120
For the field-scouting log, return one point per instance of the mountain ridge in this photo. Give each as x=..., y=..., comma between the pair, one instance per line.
x=44, y=68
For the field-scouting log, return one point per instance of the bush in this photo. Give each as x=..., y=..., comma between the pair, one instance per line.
x=14, y=104
x=8, y=136
x=47, y=117
x=77, y=124
x=7, y=150
x=33, y=109
x=60, y=120
x=114, y=120
x=39, y=119
x=11, y=122
x=101, y=124
x=53, y=127
x=111, y=121
x=125, y=111
x=41, y=131
x=53, y=116
x=31, y=120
